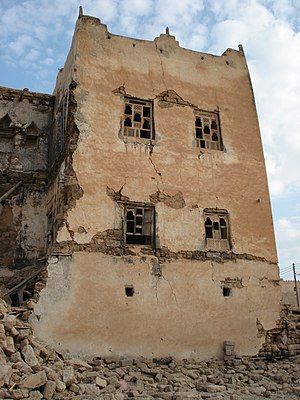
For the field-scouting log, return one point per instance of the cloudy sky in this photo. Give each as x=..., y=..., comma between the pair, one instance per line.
x=35, y=37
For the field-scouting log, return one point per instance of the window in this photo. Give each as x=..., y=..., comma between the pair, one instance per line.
x=216, y=229
x=138, y=119
x=139, y=225
x=6, y=126
x=207, y=130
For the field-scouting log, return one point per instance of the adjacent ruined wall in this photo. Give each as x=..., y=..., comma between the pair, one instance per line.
x=289, y=292
x=25, y=131
x=178, y=305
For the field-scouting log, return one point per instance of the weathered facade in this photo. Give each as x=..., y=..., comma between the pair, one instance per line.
x=158, y=221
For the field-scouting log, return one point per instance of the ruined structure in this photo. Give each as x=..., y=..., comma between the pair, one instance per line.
x=152, y=205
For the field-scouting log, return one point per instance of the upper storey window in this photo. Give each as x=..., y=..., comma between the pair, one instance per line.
x=138, y=119
x=207, y=130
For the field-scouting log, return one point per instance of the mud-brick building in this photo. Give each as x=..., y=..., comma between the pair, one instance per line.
x=157, y=222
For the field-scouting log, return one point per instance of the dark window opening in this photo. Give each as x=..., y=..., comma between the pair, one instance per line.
x=207, y=130
x=129, y=291
x=144, y=134
x=223, y=227
x=137, y=117
x=215, y=137
x=128, y=122
x=198, y=122
x=216, y=226
x=5, y=122
x=139, y=225
x=202, y=144
x=213, y=125
x=146, y=112
x=128, y=109
x=208, y=228
x=199, y=133
x=226, y=291
x=146, y=124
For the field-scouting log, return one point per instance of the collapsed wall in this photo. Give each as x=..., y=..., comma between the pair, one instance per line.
x=170, y=286
x=25, y=130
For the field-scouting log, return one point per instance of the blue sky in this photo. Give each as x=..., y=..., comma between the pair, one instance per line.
x=35, y=37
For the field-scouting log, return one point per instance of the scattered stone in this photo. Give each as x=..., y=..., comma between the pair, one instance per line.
x=68, y=375
x=49, y=390
x=102, y=383
x=29, y=356
x=34, y=380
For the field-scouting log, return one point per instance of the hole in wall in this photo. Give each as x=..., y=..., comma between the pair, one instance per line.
x=227, y=62
x=108, y=37
x=129, y=290
x=133, y=44
x=227, y=291
x=202, y=58
x=160, y=50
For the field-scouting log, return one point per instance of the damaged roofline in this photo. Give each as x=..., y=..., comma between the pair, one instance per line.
x=85, y=17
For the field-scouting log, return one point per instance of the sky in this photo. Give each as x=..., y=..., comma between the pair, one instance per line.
x=35, y=38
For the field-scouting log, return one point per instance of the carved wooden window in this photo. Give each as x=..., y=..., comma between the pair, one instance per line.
x=216, y=225
x=138, y=119
x=139, y=225
x=207, y=130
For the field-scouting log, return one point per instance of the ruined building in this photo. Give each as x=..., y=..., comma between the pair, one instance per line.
x=141, y=185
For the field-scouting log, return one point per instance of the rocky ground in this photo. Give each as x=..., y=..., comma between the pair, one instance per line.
x=30, y=370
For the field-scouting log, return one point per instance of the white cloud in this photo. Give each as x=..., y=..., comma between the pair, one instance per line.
x=20, y=44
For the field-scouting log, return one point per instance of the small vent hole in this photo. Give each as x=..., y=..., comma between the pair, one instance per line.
x=226, y=292
x=129, y=291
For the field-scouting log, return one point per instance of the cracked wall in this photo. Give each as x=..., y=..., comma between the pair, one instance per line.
x=181, y=181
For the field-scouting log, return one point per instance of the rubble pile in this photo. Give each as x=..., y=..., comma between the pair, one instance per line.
x=31, y=370
x=284, y=340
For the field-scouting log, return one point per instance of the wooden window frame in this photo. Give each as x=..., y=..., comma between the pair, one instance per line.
x=219, y=240
x=139, y=229
x=136, y=130
x=208, y=121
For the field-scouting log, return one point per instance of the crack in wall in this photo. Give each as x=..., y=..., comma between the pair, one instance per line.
x=161, y=65
x=157, y=272
x=212, y=271
x=155, y=169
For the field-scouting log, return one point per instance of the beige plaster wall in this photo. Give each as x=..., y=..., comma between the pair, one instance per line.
x=84, y=308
